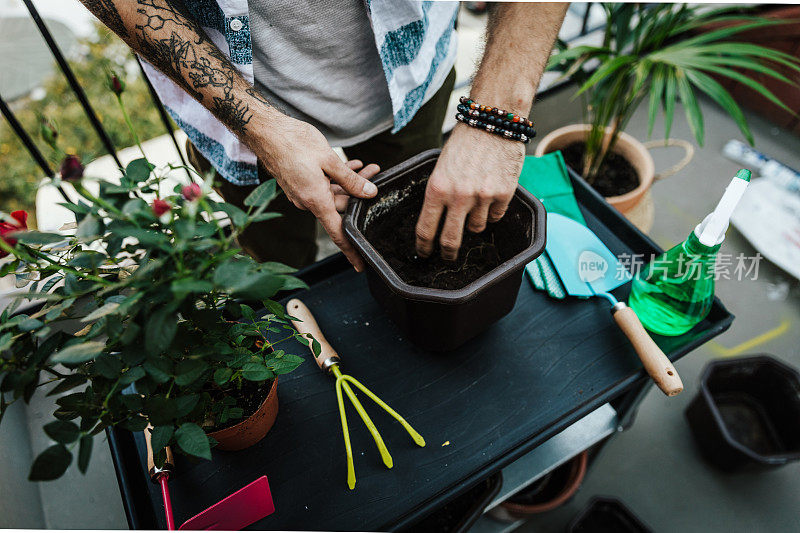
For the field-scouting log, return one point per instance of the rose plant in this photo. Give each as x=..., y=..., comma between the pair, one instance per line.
x=143, y=320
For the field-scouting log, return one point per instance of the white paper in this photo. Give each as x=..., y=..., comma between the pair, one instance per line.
x=769, y=217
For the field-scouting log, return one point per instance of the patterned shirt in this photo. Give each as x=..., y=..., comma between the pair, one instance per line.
x=416, y=42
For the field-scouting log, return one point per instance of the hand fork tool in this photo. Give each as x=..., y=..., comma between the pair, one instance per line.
x=329, y=361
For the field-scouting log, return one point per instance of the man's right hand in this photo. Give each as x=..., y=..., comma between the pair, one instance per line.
x=305, y=166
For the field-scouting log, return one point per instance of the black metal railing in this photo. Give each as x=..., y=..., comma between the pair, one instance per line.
x=80, y=94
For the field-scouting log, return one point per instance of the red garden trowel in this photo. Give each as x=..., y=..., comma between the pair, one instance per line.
x=242, y=508
x=587, y=268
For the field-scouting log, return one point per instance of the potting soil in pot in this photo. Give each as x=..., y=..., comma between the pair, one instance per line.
x=615, y=177
x=390, y=226
x=249, y=398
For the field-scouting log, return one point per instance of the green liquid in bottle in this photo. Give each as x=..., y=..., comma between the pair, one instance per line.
x=675, y=290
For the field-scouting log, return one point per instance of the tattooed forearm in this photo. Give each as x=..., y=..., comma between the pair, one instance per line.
x=186, y=54
x=258, y=96
x=165, y=34
x=106, y=11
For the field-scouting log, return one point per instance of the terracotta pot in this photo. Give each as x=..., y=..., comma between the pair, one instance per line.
x=577, y=470
x=252, y=429
x=628, y=147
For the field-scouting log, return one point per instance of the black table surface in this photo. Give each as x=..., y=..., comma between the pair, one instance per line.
x=538, y=370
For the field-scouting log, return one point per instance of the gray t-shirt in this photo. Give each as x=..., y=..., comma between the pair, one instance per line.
x=317, y=61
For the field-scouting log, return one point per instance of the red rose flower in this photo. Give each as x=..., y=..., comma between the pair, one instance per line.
x=160, y=207
x=192, y=192
x=71, y=168
x=21, y=218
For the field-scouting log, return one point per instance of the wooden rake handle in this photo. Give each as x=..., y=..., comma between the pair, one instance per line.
x=307, y=325
x=657, y=365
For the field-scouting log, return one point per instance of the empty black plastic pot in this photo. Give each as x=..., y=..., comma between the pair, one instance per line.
x=441, y=319
x=606, y=515
x=747, y=413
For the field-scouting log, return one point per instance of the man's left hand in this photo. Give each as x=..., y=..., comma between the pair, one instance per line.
x=473, y=181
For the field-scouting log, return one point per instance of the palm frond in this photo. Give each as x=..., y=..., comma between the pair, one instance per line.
x=562, y=59
x=770, y=54
x=724, y=33
x=670, y=94
x=605, y=70
x=713, y=89
x=652, y=51
x=656, y=93
x=745, y=80
x=693, y=114
x=701, y=17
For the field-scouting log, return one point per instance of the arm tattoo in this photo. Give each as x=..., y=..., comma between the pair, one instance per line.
x=258, y=96
x=169, y=38
x=188, y=56
x=106, y=11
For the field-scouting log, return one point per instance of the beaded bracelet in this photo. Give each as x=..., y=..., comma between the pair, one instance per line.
x=508, y=134
x=494, y=120
x=473, y=106
x=498, y=126
x=498, y=121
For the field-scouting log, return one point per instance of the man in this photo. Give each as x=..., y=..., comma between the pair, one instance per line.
x=264, y=87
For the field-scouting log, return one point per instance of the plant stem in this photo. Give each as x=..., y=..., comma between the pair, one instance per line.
x=48, y=382
x=130, y=125
x=66, y=268
x=55, y=372
x=102, y=203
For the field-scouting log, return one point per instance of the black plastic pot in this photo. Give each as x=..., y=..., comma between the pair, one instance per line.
x=606, y=515
x=459, y=515
x=440, y=319
x=747, y=413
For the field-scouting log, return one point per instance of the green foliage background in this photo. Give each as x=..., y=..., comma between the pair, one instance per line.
x=19, y=174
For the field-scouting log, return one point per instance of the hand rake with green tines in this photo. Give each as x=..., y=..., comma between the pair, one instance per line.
x=329, y=361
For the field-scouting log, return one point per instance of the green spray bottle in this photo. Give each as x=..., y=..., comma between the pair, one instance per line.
x=676, y=289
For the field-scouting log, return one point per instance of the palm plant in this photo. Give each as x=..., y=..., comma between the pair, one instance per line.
x=656, y=51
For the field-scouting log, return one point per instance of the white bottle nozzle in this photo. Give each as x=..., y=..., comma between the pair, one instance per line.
x=711, y=231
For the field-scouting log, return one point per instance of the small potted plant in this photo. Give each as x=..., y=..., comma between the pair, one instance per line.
x=141, y=323
x=650, y=52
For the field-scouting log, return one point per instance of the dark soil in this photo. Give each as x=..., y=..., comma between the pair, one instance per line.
x=391, y=224
x=615, y=177
x=249, y=398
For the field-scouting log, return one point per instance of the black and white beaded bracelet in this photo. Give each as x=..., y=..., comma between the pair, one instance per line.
x=497, y=121
x=491, y=128
x=525, y=126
